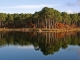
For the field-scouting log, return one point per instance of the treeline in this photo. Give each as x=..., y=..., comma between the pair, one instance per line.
x=48, y=18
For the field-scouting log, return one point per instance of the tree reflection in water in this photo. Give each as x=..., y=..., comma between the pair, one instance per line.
x=46, y=42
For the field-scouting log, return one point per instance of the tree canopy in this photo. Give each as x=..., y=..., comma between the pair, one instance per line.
x=46, y=18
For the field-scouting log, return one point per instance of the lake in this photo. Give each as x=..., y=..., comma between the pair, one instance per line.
x=39, y=46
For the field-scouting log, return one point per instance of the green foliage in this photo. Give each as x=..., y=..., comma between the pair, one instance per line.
x=46, y=18
x=74, y=18
x=65, y=17
x=57, y=16
x=2, y=16
x=9, y=17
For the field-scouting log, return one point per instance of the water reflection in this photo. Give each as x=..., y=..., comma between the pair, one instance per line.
x=47, y=42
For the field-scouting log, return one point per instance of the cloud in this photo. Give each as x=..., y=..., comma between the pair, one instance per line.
x=26, y=8
x=26, y=47
x=70, y=12
x=3, y=11
x=73, y=4
x=30, y=6
x=78, y=2
x=75, y=48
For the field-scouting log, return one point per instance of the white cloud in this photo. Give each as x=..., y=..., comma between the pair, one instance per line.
x=26, y=47
x=25, y=8
x=78, y=2
x=3, y=11
x=30, y=6
x=70, y=12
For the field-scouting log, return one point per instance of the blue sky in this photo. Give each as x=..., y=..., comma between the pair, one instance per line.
x=31, y=6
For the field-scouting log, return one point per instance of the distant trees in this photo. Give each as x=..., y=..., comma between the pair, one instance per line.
x=2, y=19
x=47, y=15
x=74, y=18
x=46, y=18
x=65, y=18
x=78, y=22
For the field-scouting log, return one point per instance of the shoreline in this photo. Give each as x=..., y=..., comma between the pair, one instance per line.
x=39, y=29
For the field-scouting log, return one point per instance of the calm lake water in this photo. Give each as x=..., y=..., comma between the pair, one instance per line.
x=39, y=46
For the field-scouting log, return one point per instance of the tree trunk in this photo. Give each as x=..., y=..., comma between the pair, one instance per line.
x=46, y=24
x=49, y=23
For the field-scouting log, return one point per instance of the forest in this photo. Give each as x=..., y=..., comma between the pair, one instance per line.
x=48, y=18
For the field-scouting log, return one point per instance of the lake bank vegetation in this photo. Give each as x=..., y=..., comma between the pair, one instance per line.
x=48, y=19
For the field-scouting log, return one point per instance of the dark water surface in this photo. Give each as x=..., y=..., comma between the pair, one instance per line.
x=39, y=46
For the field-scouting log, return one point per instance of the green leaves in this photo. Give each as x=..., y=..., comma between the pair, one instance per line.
x=45, y=18
x=2, y=16
x=9, y=17
x=74, y=18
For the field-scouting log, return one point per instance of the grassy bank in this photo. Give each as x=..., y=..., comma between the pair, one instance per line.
x=39, y=29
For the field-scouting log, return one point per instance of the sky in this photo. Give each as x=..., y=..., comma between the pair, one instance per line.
x=32, y=6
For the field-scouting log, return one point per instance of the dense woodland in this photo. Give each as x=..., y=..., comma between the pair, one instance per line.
x=48, y=18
